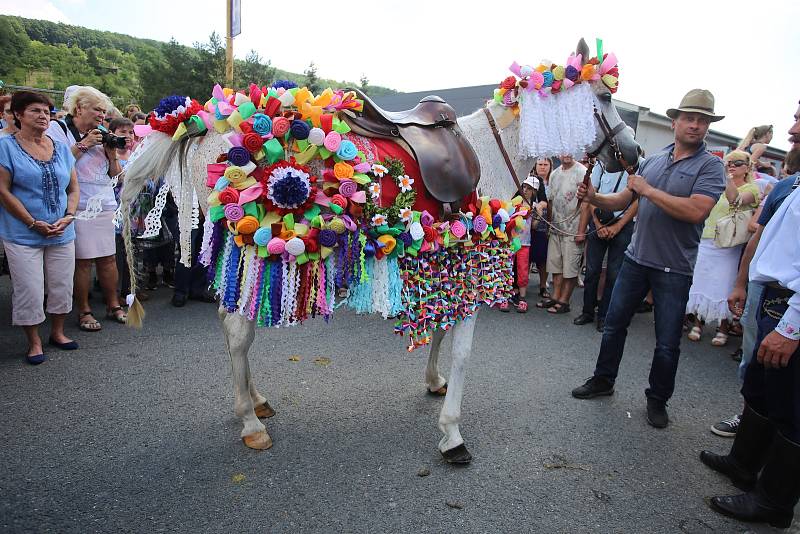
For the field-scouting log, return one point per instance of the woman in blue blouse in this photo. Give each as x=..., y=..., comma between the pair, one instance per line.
x=38, y=195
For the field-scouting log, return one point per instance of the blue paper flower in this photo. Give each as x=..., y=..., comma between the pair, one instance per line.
x=290, y=191
x=571, y=73
x=327, y=238
x=548, y=78
x=286, y=84
x=347, y=150
x=300, y=129
x=169, y=104
x=238, y=156
x=262, y=124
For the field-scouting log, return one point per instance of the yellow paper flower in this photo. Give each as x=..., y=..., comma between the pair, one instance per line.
x=235, y=175
x=388, y=243
x=343, y=171
x=558, y=73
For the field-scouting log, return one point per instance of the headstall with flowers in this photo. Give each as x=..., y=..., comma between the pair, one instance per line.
x=295, y=215
x=549, y=78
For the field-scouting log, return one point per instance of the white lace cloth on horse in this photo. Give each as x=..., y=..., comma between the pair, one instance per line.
x=557, y=124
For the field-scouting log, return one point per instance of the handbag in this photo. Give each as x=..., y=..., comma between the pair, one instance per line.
x=731, y=230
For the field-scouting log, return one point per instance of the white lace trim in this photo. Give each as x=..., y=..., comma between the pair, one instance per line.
x=556, y=124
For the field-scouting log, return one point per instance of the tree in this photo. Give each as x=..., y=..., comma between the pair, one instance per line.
x=312, y=80
x=14, y=42
x=252, y=70
x=364, y=84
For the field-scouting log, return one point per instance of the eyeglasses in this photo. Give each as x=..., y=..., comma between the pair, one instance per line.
x=737, y=163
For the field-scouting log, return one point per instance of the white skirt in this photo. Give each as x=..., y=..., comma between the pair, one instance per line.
x=714, y=277
x=94, y=238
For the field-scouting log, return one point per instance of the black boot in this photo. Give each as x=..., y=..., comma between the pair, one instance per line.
x=777, y=490
x=748, y=453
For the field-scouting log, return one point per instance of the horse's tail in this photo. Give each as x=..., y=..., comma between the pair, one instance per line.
x=150, y=160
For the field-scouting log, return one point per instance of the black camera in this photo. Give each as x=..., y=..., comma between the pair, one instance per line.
x=113, y=141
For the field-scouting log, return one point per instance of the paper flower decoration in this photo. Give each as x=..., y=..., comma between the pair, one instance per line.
x=378, y=220
x=375, y=190
x=405, y=182
x=288, y=187
x=406, y=214
x=379, y=170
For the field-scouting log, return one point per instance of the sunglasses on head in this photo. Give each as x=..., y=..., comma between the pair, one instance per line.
x=737, y=163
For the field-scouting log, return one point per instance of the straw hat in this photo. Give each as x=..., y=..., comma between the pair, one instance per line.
x=696, y=101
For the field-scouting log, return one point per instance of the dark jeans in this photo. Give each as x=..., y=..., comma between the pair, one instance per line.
x=670, y=293
x=595, y=251
x=191, y=281
x=774, y=393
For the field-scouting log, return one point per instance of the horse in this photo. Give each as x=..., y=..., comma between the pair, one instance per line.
x=502, y=158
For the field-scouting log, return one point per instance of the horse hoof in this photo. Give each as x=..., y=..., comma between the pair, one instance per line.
x=264, y=410
x=441, y=392
x=259, y=441
x=458, y=455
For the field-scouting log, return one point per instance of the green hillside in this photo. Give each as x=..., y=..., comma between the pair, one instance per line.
x=50, y=55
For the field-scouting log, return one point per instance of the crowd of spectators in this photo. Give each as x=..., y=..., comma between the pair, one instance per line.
x=59, y=223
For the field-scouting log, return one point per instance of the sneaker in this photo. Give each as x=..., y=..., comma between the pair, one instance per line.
x=728, y=427
x=657, y=413
x=594, y=387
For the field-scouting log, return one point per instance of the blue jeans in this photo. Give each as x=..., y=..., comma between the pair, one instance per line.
x=595, y=251
x=670, y=293
x=749, y=325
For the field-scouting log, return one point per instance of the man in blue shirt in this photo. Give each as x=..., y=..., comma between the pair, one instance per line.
x=609, y=233
x=676, y=188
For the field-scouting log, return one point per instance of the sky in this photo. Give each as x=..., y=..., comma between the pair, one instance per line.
x=746, y=53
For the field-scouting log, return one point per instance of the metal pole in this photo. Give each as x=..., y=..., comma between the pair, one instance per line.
x=228, y=47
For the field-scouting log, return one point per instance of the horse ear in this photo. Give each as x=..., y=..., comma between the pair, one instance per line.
x=583, y=50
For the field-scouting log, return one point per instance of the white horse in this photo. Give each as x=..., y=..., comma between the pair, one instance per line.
x=188, y=159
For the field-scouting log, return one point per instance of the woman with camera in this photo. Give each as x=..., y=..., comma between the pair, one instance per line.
x=38, y=198
x=717, y=266
x=95, y=151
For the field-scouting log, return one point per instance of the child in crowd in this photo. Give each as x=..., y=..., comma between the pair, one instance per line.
x=535, y=201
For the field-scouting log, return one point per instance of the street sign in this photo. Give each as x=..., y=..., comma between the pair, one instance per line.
x=235, y=27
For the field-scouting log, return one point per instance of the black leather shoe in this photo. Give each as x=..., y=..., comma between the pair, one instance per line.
x=748, y=453
x=597, y=386
x=657, y=413
x=747, y=507
x=601, y=323
x=583, y=318
x=179, y=300
x=741, y=477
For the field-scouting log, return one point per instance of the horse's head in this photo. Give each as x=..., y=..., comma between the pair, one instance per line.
x=610, y=130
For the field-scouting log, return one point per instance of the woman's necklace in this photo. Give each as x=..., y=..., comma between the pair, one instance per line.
x=39, y=148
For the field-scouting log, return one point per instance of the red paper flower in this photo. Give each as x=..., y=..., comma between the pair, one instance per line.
x=252, y=142
x=509, y=83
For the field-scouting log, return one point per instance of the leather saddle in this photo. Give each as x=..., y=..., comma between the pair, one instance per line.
x=448, y=164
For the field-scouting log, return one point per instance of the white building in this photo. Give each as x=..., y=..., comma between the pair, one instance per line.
x=653, y=130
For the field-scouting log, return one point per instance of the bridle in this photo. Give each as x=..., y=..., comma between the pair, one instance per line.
x=610, y=139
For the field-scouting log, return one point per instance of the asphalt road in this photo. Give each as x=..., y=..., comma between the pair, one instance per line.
x=135, y=432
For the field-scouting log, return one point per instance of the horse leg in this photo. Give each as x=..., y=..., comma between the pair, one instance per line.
x=262, y=407
x=452, y=444
x=239, y=334
x=436, y=383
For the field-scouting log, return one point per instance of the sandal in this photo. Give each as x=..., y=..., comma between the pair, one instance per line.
x=503, y=307
x=720, y=339
x=522, y=306
x=546, y=303
x=117, y=314
x=544, y=293
x=90, y=325
x=735, y=329
x=558, y=308
x=695, y=333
